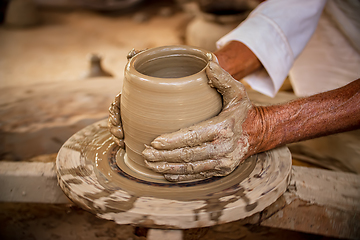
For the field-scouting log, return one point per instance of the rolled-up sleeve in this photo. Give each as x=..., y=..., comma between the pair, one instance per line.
x=276, y=31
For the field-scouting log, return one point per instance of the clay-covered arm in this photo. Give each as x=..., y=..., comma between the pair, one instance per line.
x=237, y=59
x=315, y=116
x=217, y=146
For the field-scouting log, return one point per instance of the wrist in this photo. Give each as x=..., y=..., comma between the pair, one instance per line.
x=237, y=59
x=251, y=127
x=258, y=127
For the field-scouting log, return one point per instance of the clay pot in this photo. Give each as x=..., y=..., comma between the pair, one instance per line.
x=165, y=89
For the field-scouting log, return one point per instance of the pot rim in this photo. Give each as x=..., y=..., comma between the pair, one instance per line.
x=168, y=51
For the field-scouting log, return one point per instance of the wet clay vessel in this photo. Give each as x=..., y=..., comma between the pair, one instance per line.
x=165, y=89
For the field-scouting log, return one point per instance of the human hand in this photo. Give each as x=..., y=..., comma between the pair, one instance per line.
x=211, y=148
x=237, y=59
x=114, y=121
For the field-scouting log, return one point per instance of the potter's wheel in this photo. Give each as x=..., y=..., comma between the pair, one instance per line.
x=88, y=174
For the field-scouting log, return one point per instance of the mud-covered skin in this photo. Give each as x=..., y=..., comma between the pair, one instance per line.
x=315, y=116
x=133, y=52
x=114, y=121
x=263, y=128
x=211, y=148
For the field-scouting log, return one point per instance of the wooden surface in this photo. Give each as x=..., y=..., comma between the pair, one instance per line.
x=317, y=201
x=30, y=182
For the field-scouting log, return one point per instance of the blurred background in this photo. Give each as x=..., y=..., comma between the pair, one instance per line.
x=62, y=64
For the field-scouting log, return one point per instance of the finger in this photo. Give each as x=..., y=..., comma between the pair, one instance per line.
x=201, y=175
x=114, y=121
x=116, y=102
x=222, y=166
x=212, y=150
x=189, y=177
x=119, y=142
x=182, y=168
x=196, y=135
x=231, y=90
x=114, y=110
x=116, y=131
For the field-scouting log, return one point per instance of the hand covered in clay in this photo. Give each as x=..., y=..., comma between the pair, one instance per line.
x=114, y=121
x=211, y=148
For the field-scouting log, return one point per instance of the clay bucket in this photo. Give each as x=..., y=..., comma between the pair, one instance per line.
x=165, y=89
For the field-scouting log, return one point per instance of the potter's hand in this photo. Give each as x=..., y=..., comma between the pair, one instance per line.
x=211, y=148
x=237, y=59
x=114, y=121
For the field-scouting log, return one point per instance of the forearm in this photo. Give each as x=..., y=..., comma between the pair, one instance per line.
x=237, y=59
x=315, y=116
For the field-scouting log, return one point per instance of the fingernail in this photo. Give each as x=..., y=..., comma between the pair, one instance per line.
x=210, y=83
x=211, y=65
x=151, y=154
x=146, y=153
x=209, y=56
x=147, y=146
x=172, y=178
x=157, y=144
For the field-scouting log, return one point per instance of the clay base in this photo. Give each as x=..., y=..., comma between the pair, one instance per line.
x=130, y=167
x=89, y=175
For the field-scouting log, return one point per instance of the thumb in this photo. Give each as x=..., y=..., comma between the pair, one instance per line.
x=232, y=90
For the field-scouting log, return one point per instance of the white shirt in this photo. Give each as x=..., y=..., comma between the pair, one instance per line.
x=277, y=31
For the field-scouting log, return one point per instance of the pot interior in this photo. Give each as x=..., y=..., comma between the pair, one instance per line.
x=177, y=65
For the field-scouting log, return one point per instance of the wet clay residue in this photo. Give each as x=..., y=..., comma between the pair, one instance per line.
x=110, y=203
x=87, y=178
x=215, y=206
x=76, y=171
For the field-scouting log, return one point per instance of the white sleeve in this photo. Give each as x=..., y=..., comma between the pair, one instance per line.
x=276, y=32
